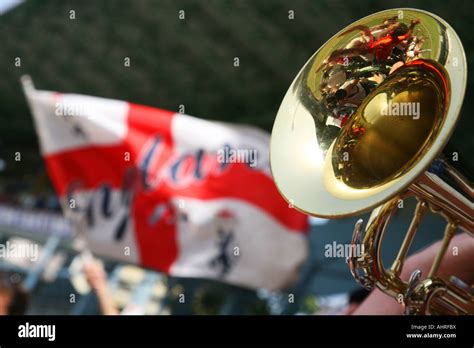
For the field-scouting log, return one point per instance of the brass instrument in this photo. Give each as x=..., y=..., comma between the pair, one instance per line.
x=363, y=126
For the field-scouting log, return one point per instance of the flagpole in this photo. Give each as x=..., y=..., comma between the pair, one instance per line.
x=27, y=84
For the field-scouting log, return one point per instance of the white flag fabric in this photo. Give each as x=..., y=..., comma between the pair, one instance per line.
x=182, y=195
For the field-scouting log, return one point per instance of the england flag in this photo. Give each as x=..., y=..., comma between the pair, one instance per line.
x=170, y=192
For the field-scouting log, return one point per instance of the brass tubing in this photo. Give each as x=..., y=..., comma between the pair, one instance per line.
x=448, y=235
x=397, y=265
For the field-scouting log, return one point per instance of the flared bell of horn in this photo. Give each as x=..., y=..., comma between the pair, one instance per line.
x=368, y=113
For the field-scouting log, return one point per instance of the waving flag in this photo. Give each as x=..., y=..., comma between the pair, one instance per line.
x=186, y=196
